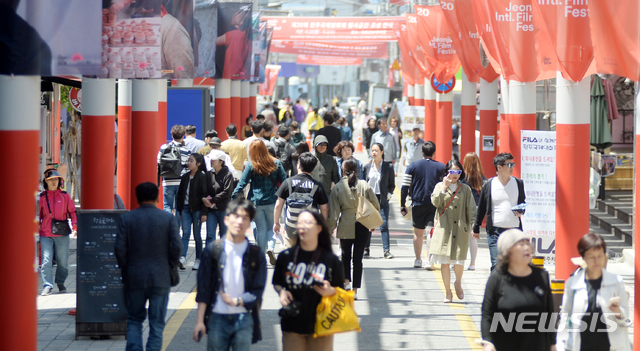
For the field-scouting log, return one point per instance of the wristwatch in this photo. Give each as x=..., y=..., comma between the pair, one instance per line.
x=239, y=301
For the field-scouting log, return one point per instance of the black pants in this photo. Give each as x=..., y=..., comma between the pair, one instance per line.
x=358, y=244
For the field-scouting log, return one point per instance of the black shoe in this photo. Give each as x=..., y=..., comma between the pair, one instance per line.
x=388, y=255
x=366, y=253
x=62, y=288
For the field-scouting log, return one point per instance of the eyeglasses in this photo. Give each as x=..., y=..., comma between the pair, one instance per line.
x=510, y=164
x=455, y=171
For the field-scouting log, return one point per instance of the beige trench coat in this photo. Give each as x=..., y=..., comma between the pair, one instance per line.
x=451, y=235
x=343, y=204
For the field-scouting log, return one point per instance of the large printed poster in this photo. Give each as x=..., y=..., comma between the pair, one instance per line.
x=538, y=171
x=233, y=53
x=260, y=52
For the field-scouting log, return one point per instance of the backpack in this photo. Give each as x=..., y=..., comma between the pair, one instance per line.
x=170, y=166
x=284, y=156
x=298, y=202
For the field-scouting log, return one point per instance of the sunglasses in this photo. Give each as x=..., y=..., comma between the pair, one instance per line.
x=453, y=171
x=510, y=165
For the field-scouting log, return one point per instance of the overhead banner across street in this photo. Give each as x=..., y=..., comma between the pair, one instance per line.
x=328, y=61
x=334, y=29
x=362, y=49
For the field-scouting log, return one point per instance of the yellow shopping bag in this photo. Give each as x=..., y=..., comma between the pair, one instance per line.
x=336, y=314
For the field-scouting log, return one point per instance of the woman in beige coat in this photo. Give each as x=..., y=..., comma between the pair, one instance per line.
x=343, y=204
x=455, y=212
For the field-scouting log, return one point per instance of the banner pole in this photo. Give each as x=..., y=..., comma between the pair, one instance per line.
x=144, y=134
x=124, y=141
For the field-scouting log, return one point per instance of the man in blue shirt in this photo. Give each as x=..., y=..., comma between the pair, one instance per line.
x=413, y=147
x=419, y=180
x=385, y=138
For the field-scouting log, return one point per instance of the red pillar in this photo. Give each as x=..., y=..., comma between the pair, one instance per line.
x=418, y=95
x=636, y=218
x=144, y=134
x=124, y=141
x=253, y=94
x=162, y=127
x=467, y=117
x=97, y=144
x=522, y=116
x=430, y=114
x=19, y=137
x=488, y=125
x=444, y=115
x=223, y=106
x=411, y=95
x=572, y=170
x=245, y=102
x=236, y=102
x=503, y=125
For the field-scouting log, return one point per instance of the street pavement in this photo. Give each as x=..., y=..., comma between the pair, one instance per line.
x=399, y=307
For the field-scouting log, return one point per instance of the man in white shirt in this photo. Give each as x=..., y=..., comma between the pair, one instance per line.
x=497, y=197
x=190, y=140
x=229, y=295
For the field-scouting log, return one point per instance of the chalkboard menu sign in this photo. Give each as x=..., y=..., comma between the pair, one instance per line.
x=100, y=300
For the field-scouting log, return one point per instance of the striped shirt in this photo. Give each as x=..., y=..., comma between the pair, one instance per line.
x=419, y=180
x=184, y=153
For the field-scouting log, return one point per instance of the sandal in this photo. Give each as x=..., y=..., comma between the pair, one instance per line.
x=448, y=298
x=459, y=291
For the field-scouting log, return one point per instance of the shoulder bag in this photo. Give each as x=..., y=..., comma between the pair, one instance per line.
x=445, y=208
x=366, y=213
x=336, y=314
x=58, y=227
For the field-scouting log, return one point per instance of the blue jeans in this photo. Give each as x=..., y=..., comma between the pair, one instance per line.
x=136, y=314
x=58, y=246
x=264, y=227
x=169, y=193
x=189, y=218
x=492, y=240
x=384, y=228
x=215, y=219
x=230, y=331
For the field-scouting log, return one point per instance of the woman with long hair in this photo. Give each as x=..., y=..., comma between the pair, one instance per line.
x=304, y=274
x=54, y=205
x=343, y=204
x=474, y=178
x=191, y=191
x=455, y=212
x=382, y=181
x=265, y=173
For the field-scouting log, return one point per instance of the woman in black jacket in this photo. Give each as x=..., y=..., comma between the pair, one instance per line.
x=220, y=185
x=193, y=187
x=381, y=178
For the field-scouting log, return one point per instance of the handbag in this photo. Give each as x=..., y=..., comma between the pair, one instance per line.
x=58, y=227
x=445, y=208
x=366, y=214
x=336, y=314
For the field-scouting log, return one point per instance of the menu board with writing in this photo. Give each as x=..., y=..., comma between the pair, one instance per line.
x=100, y=299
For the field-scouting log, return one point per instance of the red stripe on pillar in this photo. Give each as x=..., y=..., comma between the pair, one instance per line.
x=572, y=199
x=162, y=139
x=488, y=127
x=144, y=150
x=18, y=325
x=430, y=120
x=244, y=111
x=223, y=116
x=252, y=110
x=517, y=123
x=412, y=101
x=504, y=133
x=98, y=153
x=124, y=155
x=236, y=110
x=467, y=130
x=444, y=116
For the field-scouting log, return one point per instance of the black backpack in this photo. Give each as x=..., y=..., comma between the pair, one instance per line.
x=170, y=166
x=284, y=156
x=298, y=202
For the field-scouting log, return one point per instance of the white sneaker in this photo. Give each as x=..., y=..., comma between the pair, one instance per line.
x=182, y=262
x=355, y=296
x=196, y=265
x=428, y=266
x=417, y=264
x=471, y=268
x=46, y=291
x=347, y=286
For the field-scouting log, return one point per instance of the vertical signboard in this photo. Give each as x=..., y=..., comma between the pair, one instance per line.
x=100, y=299
x=538, y=159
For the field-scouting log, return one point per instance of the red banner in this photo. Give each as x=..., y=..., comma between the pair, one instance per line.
x=616, y=39
x=362, y=49
x=328, y=61
x=436, y=42
x=567, y=27
x=511, y=40
x=334, y=28
x=423, y=67
x=270, y=80
x=408, y=65
x=459, y=15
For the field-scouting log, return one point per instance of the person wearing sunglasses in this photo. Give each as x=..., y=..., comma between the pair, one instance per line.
x=455, y=211
x=499, y=194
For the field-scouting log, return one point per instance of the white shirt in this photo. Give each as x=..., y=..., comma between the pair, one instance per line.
x=503, y=198
x=374, y=177
x=232, y=277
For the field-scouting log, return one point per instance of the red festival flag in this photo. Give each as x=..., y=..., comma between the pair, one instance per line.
x=270, y=79
x=436, y=42
x=423, y=67
x=408, y=66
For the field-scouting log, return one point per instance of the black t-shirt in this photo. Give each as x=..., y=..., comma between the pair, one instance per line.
x=290, y=273
x=597, y=339
x=319, y=198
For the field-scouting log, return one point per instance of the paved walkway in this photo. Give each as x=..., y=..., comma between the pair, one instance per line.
x=400, y=307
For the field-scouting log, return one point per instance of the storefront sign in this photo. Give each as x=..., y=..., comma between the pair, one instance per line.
x=538, y=171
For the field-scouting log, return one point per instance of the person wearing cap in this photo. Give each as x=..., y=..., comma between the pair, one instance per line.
x=206, y=149
x=54, y=204
x=591, y=293
x=498, y=195
x=330, y=175
x=216, y=145
x=413, y=148
x=220, y=185
x=517, y=289
x=331, y=132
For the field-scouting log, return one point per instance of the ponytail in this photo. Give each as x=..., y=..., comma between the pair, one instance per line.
x=350, y=169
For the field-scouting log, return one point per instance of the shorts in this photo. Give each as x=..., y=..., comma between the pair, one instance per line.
x=422, y=216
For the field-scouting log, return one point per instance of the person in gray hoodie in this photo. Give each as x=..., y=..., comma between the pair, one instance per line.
x=330, y=174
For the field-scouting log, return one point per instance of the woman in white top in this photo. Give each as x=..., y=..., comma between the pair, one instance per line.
x=455, y=212
x=381, y=179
